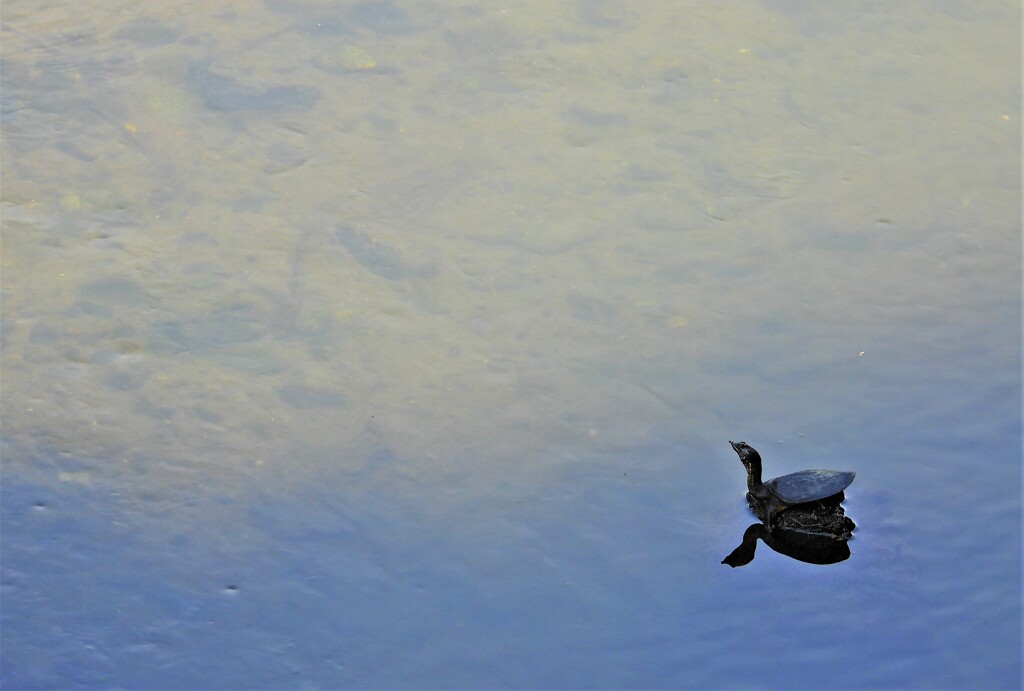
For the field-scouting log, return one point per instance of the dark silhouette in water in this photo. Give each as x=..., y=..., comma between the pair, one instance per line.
x=812, y=548
x=224, y=93
x=379, y=257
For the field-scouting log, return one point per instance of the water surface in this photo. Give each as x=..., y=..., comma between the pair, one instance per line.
x=396, y=345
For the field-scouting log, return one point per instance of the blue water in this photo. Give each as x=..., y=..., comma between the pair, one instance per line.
x=395, y=346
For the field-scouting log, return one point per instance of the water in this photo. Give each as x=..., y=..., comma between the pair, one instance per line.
x=393, y=345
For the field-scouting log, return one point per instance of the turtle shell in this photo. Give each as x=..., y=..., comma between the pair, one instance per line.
x=809, y=485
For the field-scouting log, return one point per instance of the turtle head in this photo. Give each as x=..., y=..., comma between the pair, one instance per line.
x=751, y=460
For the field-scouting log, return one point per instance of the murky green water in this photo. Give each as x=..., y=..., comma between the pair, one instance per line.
x=388, y=344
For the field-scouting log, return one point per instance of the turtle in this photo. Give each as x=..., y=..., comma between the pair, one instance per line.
x=778, y=494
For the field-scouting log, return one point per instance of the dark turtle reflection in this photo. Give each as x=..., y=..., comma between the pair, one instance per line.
x=814, y=531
